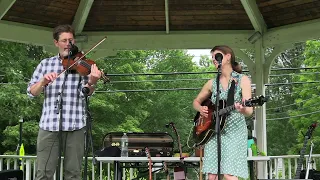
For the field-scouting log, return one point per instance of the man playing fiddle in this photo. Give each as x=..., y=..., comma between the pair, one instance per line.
x=45, y=79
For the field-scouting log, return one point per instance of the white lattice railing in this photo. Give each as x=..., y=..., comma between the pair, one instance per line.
x=279, y=167
x=284, y=167
x=28, y=165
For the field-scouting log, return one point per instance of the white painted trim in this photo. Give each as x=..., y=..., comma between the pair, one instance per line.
x=293, y=33
x=254, y=15
x=81, y=15
x=166, y=7
x=5, y=5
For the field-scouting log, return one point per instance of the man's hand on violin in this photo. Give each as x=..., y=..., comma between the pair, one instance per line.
x=95, y=74
x=47, y=78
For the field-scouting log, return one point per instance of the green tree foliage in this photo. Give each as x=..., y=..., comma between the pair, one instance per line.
x=17, y=64
x=306, y=110
x=280, y=133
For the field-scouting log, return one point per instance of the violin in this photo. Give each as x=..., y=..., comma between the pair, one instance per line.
x=82, y=66
x=77, y=61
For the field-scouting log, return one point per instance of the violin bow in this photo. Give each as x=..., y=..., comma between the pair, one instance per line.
x=103, y=39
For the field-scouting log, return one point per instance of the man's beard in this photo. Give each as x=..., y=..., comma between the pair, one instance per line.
x=65, y=53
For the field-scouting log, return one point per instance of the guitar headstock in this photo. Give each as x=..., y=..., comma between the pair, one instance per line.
x=311, y=129
x=256, y=101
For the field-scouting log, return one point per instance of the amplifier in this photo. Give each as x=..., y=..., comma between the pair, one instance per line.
x=313, y=174
x=159, y=144
x=11, y=175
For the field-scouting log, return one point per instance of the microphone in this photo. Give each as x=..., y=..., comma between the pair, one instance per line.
x=218, y=57
x=73, y=49
x=85, y=90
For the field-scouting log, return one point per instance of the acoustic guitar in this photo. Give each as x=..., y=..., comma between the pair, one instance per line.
x=307, y=136
x=204, y=127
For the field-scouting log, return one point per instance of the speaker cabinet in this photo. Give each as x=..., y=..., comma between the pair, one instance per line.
x=11, y=175
x=313, y=174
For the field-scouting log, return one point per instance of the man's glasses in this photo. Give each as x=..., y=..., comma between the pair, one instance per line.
x=66, y=41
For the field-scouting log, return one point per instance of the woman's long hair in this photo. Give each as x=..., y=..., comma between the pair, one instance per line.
x=227, y=50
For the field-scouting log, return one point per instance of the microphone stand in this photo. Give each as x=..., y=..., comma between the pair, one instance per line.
x=20, y=141
x=309, y=161
x=88, y=133
x=60, y=105
x=217, y=125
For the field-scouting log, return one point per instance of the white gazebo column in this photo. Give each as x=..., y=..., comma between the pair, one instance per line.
x=259, y=79
x=258, y=74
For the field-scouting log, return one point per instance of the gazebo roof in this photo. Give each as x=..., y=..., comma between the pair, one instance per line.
x=150, y=15
x=162, y=23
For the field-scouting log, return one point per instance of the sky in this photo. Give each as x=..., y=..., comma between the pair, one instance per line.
x=197, y=53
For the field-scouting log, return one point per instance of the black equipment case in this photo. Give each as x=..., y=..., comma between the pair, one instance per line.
x=159, y=144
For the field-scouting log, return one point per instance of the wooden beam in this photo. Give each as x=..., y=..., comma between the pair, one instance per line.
x=81, y=15
x=174, y=40
x=5, y=5
x=293, y=33
x=255, y=16
x=23, y=33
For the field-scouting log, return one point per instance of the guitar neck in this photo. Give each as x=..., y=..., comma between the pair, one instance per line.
x=300, y=161
x=226, y=110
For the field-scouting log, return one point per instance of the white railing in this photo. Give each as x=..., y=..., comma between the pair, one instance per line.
x=28, y=165
x=279, y=167
x=284, y=167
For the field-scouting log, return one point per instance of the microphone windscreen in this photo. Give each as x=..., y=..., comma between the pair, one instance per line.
x=218, y=57
x=85, y=90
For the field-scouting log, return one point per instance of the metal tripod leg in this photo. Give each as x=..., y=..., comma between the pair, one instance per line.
x=309, y=161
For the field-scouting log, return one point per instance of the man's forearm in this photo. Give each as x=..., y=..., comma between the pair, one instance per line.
x=36, y=89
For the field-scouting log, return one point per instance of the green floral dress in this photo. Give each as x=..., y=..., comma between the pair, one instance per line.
x=233, y=138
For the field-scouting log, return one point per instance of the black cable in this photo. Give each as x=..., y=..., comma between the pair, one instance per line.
x=204, y=72
x=314, y=112
x=178, y=89
x=298, y=109
x=291, y=104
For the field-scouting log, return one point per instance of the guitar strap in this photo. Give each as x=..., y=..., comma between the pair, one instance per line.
x=230, y=100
